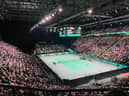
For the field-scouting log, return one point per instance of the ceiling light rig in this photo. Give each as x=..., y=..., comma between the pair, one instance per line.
x=48, y=17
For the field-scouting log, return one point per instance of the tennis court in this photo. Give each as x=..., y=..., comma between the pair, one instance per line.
x=70, y=66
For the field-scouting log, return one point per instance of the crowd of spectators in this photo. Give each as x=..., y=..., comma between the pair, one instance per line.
x=49, y=48
x=18, y=68
x=119, y=52
x=111, y=49
x=109, y=30
x=87, y=91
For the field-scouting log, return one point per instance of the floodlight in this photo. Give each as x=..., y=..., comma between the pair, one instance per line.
x=60, y=9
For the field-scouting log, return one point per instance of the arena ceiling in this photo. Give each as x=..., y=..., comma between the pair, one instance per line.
x=35, y=10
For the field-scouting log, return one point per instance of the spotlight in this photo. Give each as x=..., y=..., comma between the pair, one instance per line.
x=90, y=11
x=47, y=18
x=53, y=15
x=43, y=21
x=60, y=9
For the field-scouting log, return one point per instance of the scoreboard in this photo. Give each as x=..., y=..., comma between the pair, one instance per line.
x=70, y=32
x=67, y=31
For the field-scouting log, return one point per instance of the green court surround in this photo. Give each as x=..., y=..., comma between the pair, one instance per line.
x=77, y=64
